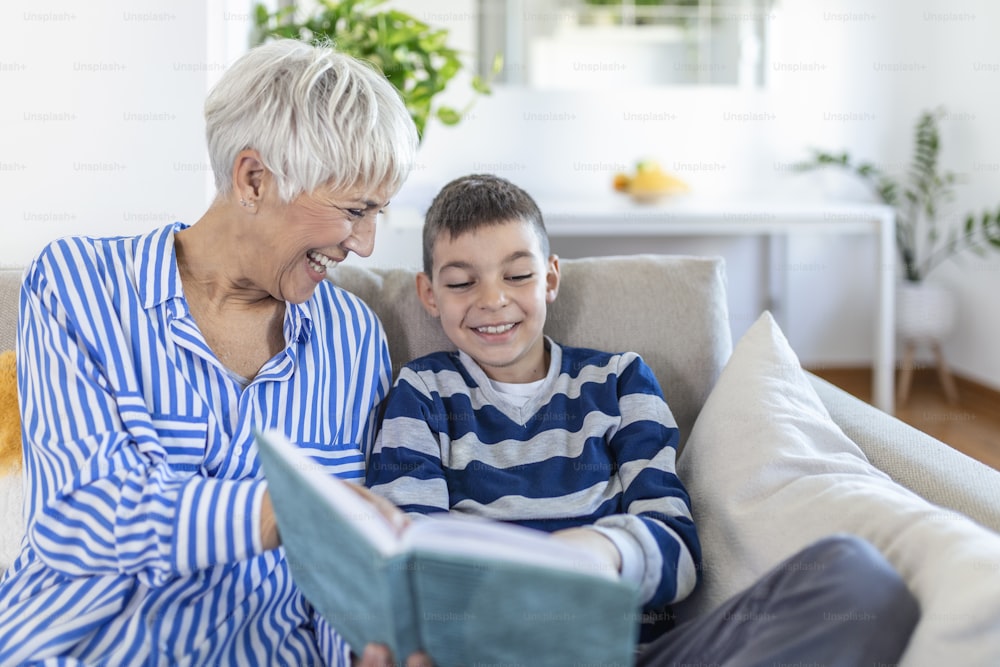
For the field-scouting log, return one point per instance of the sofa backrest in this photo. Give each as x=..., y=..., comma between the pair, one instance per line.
x=670, y=309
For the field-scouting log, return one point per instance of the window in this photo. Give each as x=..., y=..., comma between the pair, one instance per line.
x=600, y=44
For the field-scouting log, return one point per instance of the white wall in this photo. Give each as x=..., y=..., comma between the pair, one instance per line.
x=101, y=132
x=101, y=119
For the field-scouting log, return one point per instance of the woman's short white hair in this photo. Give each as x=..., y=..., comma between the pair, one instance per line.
x=316, y=116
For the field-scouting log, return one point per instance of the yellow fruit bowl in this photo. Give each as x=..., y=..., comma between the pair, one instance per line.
x=649, y=184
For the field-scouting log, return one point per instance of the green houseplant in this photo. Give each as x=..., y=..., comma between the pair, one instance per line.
x=924, y=236
x=414, y=57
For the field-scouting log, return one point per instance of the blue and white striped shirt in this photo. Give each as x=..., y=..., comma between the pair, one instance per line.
x=143, y=484
x=596, y=445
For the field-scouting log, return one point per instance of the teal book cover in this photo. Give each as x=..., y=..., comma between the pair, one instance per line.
x=466, y=591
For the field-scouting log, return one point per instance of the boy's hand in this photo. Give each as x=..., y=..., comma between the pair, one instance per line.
x=593, y=541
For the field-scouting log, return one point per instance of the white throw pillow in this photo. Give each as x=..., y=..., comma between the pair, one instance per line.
x=769, y=472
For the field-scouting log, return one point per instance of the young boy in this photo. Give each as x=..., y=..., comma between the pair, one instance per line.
x=577, y=442
x=515, y=427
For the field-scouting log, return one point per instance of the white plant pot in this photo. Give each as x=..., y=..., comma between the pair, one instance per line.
x=924, y=311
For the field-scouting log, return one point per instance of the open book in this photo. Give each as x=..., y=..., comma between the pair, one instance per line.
x=466, y=591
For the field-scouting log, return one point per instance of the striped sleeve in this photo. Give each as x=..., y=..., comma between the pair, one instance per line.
x=379, y=371
x=103, y=498
x=406, y=466
x=656, y=505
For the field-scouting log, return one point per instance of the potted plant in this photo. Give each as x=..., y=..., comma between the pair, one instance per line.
x=414, y=57
x=925, y=237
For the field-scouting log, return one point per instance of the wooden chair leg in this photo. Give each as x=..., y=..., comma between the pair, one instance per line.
x=906, y=373
x=944, y=374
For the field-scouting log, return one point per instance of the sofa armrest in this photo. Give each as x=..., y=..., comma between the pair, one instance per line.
x=925, y=465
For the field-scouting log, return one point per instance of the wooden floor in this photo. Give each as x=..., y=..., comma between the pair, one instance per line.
x=971, y=426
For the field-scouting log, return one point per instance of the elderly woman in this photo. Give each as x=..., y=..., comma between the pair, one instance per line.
x=146, y=363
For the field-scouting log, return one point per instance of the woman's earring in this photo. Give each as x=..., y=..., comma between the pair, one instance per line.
x=248, y=204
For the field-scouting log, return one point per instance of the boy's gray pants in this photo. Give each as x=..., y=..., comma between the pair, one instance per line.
x=837, y=603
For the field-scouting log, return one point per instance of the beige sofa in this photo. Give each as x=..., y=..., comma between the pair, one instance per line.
x=672, y=310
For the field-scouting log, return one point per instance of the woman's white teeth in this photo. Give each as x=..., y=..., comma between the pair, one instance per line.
x=497, y=329
x=319, y=262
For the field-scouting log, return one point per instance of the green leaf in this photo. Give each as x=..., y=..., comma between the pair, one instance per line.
x=480, y=86
x=449, y=116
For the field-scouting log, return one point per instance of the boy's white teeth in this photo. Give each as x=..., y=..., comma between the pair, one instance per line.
x=318, y=261
x=496, y=330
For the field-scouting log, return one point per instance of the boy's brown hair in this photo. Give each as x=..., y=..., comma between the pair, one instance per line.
x=471, y=202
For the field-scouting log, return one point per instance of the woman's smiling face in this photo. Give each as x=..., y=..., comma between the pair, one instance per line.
x=315, y=232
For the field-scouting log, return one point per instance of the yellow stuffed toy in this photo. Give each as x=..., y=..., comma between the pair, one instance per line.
x=10, y=416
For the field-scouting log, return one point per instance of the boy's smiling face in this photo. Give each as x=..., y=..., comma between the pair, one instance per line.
x=491, y=288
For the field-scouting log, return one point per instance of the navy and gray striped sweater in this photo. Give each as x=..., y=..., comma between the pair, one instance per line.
x=596, y=445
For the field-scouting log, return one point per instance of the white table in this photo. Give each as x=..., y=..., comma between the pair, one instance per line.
x=773, y=221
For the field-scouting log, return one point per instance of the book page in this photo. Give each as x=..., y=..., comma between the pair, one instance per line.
x=485, y=539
